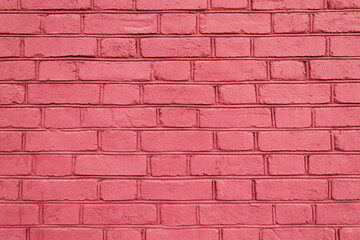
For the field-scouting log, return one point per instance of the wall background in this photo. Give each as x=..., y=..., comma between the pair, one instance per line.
x=174, y=120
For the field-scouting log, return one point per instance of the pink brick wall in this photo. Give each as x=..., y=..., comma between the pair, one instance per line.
x=179, y=120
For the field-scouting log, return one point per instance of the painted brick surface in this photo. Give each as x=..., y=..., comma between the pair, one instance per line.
x=179, y=119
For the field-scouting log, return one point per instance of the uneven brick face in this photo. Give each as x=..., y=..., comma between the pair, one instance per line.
x=179, y=119
x=178, y=23
x=182, y=234
x=178, y=215
x=59, y=233
x=113, y=214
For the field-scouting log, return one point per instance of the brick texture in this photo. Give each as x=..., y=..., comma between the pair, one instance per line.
x=179, y=119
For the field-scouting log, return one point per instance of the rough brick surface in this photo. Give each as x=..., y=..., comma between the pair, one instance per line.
x=179, y=119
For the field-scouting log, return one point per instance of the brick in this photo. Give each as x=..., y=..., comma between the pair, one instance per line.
x=9, y=189
x=241, y=117
x=20, y=117
x=233, y=190
x=335, y=69
x=15, y=214
x=235, y=141
x=337, y=22
x=229, y=4
x=12, y=94
x=293, y=214
x=10, y=47
x=53, y=165
x=240, y=23
x=214, y=214
x=51, y=70
x=293, y=117
x=291, y=189
x=334, y=164
x=118, y=47
x=66, y=233
x=61, y=141
x=229, y=70
x=286, y=165
x=59, y=190
x=337, y=117
x=8, y=5
x=62, y=24
x=299, y=233
x=291, y=23
x=290, y=46
x=60, y=47
x=237, y=94
x=240, y=234
x=17, y=70
x=227, y=165
x=55, y=4
x=177, y=117
x=114, y=4
x=347, y=140
x=178, y=215
x=294, y=93
x=15, y=165
x=11, y=141
x=119, y=117
x=176, y=190
x=179, y=94
x=288, y=70
x=343, y=4
x=61, y=214
x=294, y=141
x=171, y=71
x=178, y=23
x=118, y=141
x=121, y=94
x=63, y=93
x=123, y=165
x=346, y=189
x=175, y=47
x=62, y=118
x=120, y=23
x=176, y=141
x=232, y=47
x=123, y=234
x=118, y=190
x=12, y=233
x=168, y=165
x=287, y=4
x=182, y=234
x=19, y=23
x=338, y=213
x=114, y=214
x=345, y=46
x=349, y=233
x=116, y=71
x=171, y=5
x=347, y=93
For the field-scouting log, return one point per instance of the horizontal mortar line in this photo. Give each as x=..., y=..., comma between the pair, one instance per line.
x=180, y=83
x=157, y=226
x=194, y=59
x=190, y=177
x=158, y=11
x=194, y=35
x=201, y=202
x=171, y=129
x=213, y=152
x=184, y=83
x=200, y=106
x=94, y=153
